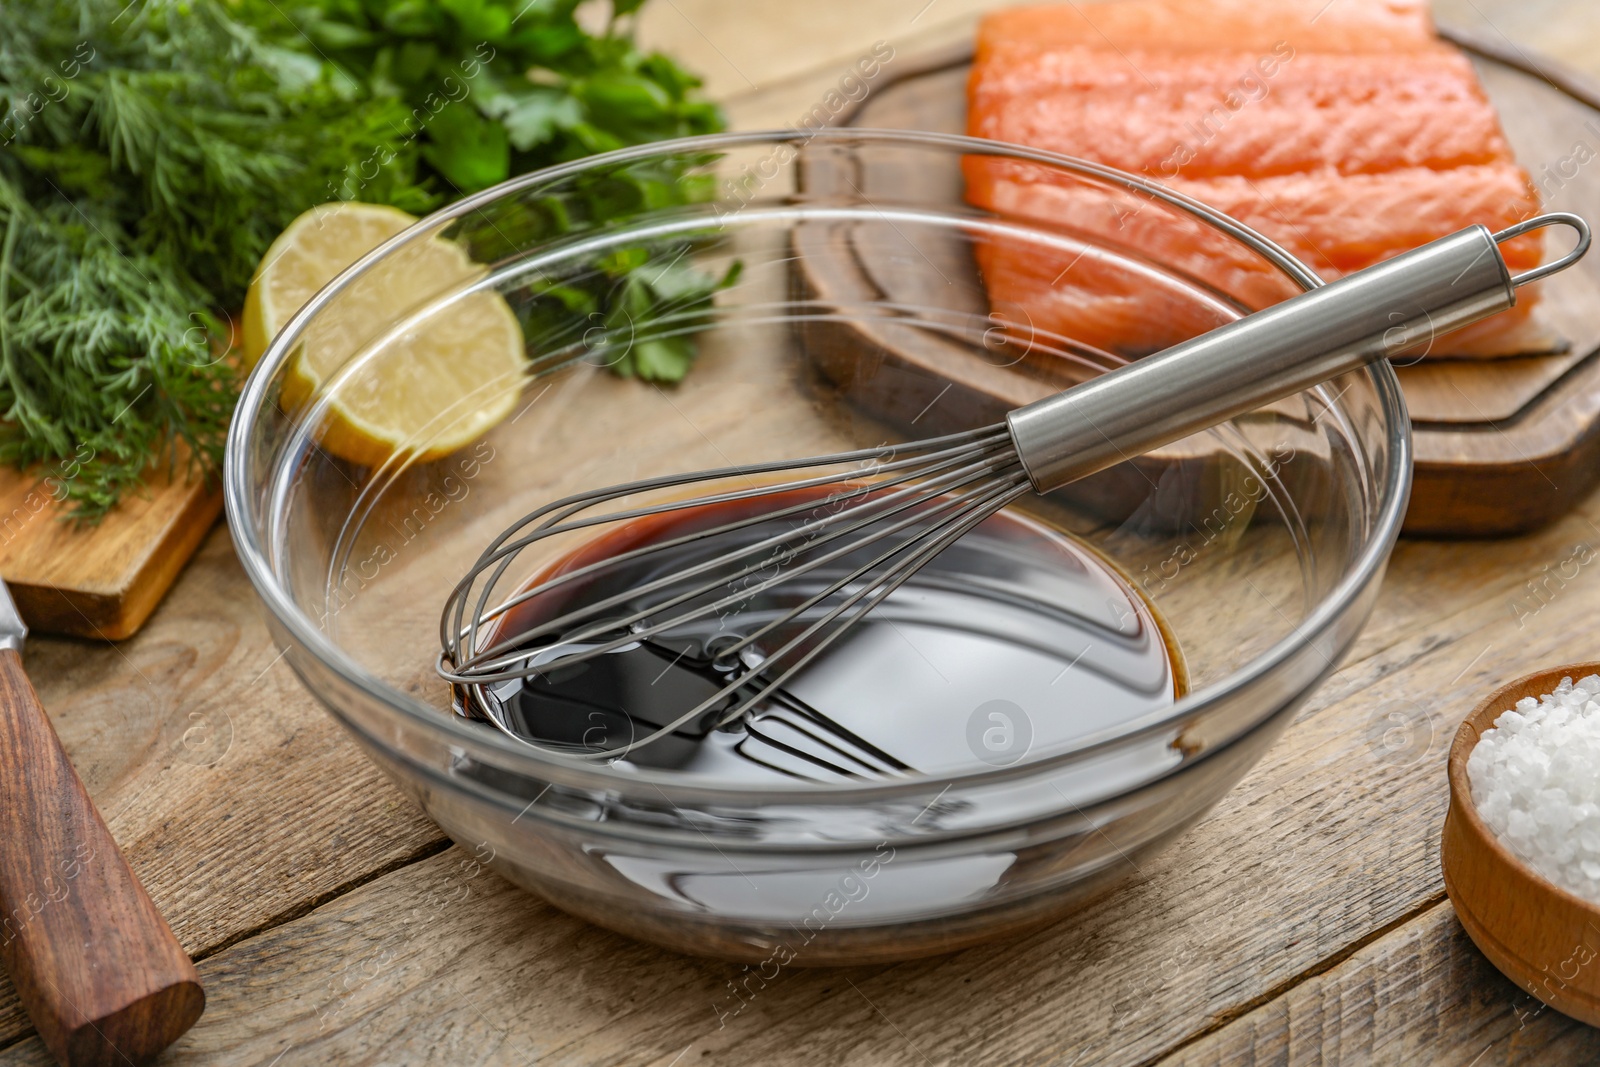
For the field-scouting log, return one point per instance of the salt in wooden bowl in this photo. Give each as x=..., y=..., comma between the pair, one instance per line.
x=1542, y=937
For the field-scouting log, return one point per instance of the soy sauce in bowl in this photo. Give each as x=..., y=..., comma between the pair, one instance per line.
x=1013, y=641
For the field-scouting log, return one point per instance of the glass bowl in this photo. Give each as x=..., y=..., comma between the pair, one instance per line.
x=830, y=288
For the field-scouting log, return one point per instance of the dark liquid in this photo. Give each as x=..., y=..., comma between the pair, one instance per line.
x=1010, y=643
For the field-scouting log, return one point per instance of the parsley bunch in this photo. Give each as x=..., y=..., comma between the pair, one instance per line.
x=150, y=151
x=463, y=68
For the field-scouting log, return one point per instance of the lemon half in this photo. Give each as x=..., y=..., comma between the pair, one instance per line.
x=437, y=367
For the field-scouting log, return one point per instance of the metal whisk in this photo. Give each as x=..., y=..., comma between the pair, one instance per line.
x=816, y=544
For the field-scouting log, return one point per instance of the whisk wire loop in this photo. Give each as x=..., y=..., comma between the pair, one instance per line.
x=883, y=504
x=882, y=516
x=457, y=632
x=983, y=503
x=455, y=624
x=777, y=551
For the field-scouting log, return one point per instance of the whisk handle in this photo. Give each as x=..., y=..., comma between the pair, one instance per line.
x=1396, y=307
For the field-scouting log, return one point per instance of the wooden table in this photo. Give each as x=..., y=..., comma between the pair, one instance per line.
x=1303, y=922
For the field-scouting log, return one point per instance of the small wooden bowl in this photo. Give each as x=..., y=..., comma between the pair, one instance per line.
x=1540, y=936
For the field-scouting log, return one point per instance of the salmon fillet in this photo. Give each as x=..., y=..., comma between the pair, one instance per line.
x=1179, y=26
x=1347, y=113
x=1365, y=138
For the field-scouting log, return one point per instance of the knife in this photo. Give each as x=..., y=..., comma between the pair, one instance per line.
x=94, y=963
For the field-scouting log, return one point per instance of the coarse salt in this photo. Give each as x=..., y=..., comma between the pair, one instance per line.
x=1536, y=781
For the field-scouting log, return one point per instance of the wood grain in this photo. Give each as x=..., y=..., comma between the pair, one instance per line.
x=102, y=977
x=429, y=964
x=234, y=796
x=270, y=863
x=1421, y=993
x=101, y=580
x=743, y=51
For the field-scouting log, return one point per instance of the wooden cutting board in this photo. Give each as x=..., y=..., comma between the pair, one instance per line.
x=1501, y=446
x=102, y=580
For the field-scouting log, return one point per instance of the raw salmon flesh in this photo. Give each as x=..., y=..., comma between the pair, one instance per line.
x=1346, y=135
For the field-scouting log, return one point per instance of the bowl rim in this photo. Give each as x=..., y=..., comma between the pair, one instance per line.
x=242, y=512
x=1467, y=736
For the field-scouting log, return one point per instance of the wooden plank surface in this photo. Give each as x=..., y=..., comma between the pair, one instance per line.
x=235, y=798
x=98, y=580
x=1302, y=922
x=1420, y=993
x=1285, y=876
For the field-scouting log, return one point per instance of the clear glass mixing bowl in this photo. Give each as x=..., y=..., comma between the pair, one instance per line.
x=857, y=314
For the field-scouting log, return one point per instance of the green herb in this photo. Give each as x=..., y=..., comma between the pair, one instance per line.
x=636, y=309
x=462, y=68
x=150, y=151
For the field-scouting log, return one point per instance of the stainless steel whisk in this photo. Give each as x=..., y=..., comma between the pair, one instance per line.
x=830, y=545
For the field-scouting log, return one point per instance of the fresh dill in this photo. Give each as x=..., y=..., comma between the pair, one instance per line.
x=150, y=151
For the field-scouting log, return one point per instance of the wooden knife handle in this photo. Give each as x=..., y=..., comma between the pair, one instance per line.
x=96, y=965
